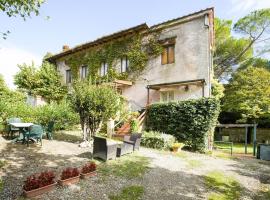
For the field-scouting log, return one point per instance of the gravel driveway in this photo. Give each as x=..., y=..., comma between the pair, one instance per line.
x=169, y=176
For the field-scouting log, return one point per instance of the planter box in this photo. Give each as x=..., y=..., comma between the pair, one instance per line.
x=69, y=181
x=39, y=191
x=87, y=175
x=175, y=149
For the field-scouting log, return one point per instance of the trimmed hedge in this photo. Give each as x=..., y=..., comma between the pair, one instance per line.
x=190, y=121
x=157, y=140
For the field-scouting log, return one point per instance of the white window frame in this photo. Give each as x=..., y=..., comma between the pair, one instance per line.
x=167, y=96
x=124, y=64
x=103, y=69
x=68, y=76
x=84, y=72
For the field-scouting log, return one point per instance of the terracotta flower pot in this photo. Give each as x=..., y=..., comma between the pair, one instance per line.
x=175, y=149
x=39, y=191
x=87, y=175
x=69, y=181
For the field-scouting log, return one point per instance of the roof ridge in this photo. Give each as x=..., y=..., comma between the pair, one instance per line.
x=182, y=17
x=139, y=27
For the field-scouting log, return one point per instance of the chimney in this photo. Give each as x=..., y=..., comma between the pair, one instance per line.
x=65, y=47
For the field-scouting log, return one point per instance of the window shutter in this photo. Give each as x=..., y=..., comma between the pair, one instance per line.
x=164, y=56
x=171, y=54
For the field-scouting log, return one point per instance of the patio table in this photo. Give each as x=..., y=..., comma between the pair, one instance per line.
x=21, y=126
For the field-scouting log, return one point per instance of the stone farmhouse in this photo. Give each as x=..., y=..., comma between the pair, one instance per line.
x=183, y=69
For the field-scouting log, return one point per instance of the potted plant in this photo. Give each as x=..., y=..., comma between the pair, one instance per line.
x=88, y=170
x=38, y=184
x=177, y=146
x=69, y=176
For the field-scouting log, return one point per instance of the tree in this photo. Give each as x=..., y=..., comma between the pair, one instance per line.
x=227, y=48
x=217, y=89
x=45, y=81
x=248, y=93
x=27, y=78
x=20, y=8
x=94, y=104
x=256, y=62
x=50, y=86
x=231, y=51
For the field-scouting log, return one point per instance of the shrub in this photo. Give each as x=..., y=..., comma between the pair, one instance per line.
x=157, y=140
x=89, y=167
x=191, y=121
x=69, y=173
x=134, y=125
x=62, y=115
x=39, y=180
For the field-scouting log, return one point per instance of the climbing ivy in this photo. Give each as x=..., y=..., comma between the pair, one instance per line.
x=137, y=49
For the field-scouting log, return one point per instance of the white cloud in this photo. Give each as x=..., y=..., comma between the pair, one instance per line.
x=243, y=7
x=10, y=57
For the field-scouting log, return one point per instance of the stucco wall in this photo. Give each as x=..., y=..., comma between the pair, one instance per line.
x=192, y=61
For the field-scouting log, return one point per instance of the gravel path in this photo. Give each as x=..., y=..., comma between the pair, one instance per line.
x=169, y=176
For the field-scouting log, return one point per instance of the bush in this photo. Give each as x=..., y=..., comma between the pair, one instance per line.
x=191, y=121
x=157, y=140
x=62, y=115
x=39, y=180
x=89, y=167
x=69, y=173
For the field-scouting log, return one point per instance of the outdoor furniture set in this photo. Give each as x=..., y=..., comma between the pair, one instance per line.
x=27, y=131
x=107, y=149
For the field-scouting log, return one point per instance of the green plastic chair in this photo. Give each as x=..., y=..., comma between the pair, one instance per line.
x=11, y=129
x=50, y=129
x=36, y=132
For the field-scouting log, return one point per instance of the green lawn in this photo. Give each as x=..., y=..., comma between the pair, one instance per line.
x=130, y=166
x=237, y=147
x=223, y=187
x=133, y=192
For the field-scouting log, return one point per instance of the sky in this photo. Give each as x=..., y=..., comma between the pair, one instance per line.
x=74, y=22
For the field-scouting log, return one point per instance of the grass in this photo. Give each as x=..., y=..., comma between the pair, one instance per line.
x=237, y=148
x=194, y=163
x=2, y=163
x=264, y=192
x=182, y=155
x=191, y=163
x=1, y=184
x=130, y=166
x=134, y=192
x=223, y=187
x=68, y=136
x=223, y=155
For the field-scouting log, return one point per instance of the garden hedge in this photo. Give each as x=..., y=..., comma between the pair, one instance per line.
x=191, y=121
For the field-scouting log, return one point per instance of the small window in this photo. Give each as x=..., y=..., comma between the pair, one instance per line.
x=68, y=76
x=103, y=69
x=84, y=72
x=167, y=56
x=124, y=64
x=167, y=96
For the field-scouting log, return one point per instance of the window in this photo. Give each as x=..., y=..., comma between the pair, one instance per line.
x=68, y=76
x=103, y=69
x=124, y=64
x=167, y=56
x=84, y=72
x=166, y=96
